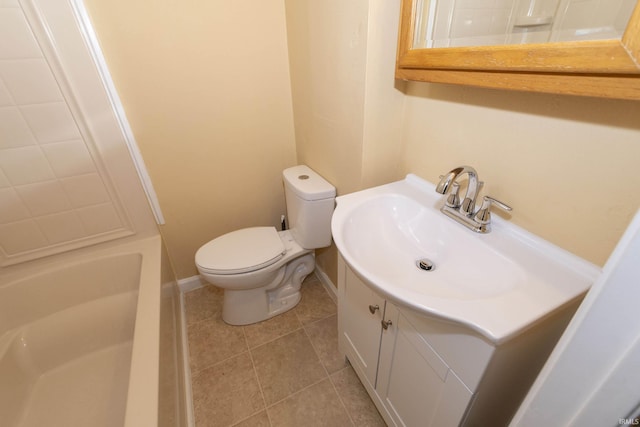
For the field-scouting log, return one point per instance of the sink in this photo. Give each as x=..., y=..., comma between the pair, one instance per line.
x=499, y=283
x=391, y=233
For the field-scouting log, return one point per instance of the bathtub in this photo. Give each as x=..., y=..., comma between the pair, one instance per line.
x=80, y=339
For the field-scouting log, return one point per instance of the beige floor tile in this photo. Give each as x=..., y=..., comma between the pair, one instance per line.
x=315, y=406
x=226, y=392
x=286, y=365
x=263, y=332
x=212, y=341
x=203, y=303
x=324, y=338
x=258, y=420
x=355, y=398
x=316, y=304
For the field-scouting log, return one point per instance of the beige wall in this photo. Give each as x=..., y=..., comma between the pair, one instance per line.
x=327, y=47
x=215, y=121
x=205, y=86
x=567, y=165
x=348, y=115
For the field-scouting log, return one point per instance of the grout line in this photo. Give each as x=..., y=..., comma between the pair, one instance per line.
x=245, y=350
x=296, y=392
x=255, y=372
x=315, y=350
x=187, y=285
x=340, y=397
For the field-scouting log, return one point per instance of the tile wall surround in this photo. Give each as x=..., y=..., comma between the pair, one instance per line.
x=55, y=194
x=487, y=22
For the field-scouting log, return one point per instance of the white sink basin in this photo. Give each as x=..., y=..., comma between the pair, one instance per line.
x=497, y=283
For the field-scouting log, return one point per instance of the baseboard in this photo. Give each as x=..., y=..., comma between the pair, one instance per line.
x=331, y=288
x=195, y=282
x=190, y=284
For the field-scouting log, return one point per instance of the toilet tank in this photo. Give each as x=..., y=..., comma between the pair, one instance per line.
x=310, y=203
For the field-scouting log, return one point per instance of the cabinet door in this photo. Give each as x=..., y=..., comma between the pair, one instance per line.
x=414, y=383
x=361, y=312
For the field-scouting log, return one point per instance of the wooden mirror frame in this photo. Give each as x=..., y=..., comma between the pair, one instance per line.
x=602, y=68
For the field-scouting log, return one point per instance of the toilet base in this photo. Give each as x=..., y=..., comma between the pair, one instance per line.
x=243, y=307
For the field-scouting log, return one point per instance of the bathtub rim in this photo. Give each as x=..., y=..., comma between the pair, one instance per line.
x=144, y=379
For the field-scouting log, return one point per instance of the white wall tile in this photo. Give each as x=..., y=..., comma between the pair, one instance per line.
x=479, y=22
x=69, y=158
x=11, y=207
x=22, y=236
x=14, y=131
x=579, y=14
x=4, y=182
x=44, y=198
x=30, y=81
x=100, y=218
x=51, y=192
x=16, y=38
x=9, y=3
x=51, y=122
x=85, y=190
x=61, y=227
x=25, y=165
x=5, y=97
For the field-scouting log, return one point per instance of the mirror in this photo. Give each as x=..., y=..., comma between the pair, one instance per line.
x=602, y=67
x=451, y=23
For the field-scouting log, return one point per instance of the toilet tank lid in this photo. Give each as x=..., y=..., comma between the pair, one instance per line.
x=308, y=184
x=241, y=251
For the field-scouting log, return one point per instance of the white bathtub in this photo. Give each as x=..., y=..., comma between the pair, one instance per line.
x=80, y=339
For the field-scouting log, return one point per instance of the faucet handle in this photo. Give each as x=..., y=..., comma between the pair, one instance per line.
x=453, y=201
x=468, y=206
x=483, y=216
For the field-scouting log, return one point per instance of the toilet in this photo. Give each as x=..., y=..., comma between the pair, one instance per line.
x=261, y=269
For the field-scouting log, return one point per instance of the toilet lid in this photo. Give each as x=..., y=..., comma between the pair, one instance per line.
x=241, y=251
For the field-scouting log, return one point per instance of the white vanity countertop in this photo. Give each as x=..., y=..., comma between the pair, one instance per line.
x=498, y=283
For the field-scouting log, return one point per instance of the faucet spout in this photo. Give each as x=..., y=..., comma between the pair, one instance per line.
x=465, y=212
x=447, y=180
x=473, y=188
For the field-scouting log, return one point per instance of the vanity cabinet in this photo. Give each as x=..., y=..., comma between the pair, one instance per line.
x=415, y=384
x=425, y=371
x=362, y=313
x=410, y=379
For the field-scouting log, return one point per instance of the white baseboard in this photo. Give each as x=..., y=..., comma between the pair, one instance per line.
x=331, y=288
x=190, y=284
x=185, y=358
x=195, y=282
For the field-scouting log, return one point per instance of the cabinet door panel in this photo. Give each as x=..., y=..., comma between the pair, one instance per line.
x=414, y=382
x=361, y=327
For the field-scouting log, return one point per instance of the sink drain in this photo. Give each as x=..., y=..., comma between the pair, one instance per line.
x=425, y=264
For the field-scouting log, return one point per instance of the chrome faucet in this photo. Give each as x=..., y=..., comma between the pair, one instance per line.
x=469, y=202
x=465, y=213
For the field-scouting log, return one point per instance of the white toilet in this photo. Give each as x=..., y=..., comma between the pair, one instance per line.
x=261, y=269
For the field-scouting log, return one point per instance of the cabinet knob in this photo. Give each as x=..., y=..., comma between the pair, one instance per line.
x=374, y=308
x=386, y=324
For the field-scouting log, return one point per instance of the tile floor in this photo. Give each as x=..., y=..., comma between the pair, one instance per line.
x=285, y=371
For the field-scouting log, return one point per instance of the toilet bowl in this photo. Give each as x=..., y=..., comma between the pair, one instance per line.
x=261, y=269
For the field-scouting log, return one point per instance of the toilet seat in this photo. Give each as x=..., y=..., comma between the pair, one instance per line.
x=241, y=251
